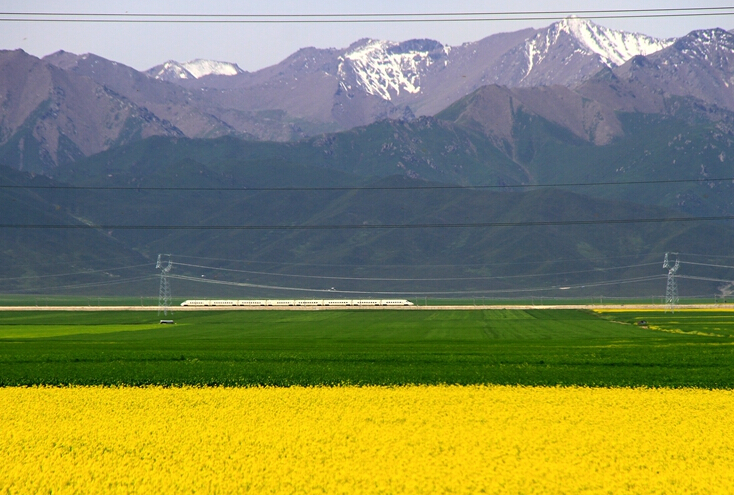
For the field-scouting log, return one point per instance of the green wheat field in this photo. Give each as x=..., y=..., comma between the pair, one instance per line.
x=688, y=348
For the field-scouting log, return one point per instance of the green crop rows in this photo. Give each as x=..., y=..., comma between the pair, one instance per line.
x=390, y=347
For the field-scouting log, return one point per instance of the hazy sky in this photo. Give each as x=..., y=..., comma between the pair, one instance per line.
x=256, y=45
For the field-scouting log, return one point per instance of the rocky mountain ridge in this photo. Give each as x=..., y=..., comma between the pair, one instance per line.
x=51, y=116
x=566, y=73
x=699, y=65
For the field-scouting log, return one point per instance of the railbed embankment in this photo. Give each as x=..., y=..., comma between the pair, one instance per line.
x=592, y=307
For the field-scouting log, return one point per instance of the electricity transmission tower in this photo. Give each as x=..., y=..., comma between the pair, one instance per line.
x=671, y=291
x=164, y=292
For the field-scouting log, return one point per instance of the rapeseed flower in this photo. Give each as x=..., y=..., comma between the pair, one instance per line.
x=413, y=439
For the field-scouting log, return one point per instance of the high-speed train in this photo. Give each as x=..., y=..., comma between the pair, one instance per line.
x=297, y=302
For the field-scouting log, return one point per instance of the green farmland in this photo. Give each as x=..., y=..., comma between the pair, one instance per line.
x=389, y=347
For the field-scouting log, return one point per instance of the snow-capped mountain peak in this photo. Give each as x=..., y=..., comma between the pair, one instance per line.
x=568, y=51
x=613, y=47
x=194, y=69
x=384, y=68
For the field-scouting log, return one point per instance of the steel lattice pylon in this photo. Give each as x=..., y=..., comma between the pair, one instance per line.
x=671, y=291
x=164, y=292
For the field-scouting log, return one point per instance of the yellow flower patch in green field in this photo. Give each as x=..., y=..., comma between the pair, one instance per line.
x=415, y=439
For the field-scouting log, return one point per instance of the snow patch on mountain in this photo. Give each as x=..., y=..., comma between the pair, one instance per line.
x=170, y=70
x=384, y=68
x=200, y=68
x=705, y=44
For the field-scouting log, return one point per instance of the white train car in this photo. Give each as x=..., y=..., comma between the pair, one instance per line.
x=366, y=302
x=281, y=302
x=194, y=302
x=396, y=302
x=296, y=302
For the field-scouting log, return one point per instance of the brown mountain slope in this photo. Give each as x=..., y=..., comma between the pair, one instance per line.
x=494, y=110
x=168, y=101
x=49, y=116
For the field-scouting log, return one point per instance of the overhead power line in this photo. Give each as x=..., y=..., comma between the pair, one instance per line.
x=707, y=256
x=384, y=14
x=453, y=292
x=372, y=226
x=385, y=17
x=390, y=266
x=709, y=264
x=432, y=279
x=362, y=188
x=706, y=279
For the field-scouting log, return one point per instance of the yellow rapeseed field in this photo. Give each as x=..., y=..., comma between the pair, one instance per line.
x=416, y=439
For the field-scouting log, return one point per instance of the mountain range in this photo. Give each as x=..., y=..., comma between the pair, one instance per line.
x=53, y=103
x=626, y=125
